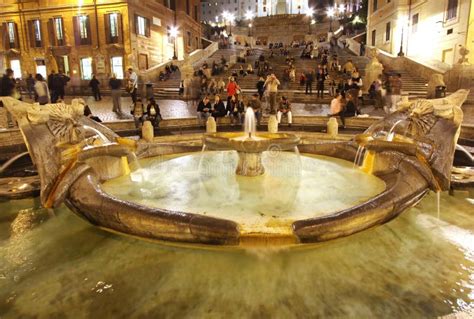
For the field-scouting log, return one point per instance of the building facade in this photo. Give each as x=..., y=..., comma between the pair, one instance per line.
x=99, y=37
x=430, y=31
x=211, y=10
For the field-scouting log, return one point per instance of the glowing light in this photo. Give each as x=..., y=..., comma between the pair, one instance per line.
x=174, y=31
x=342, y=8
x=331, y=12
x=313, y=21
x=356, y=20
x=310, y=12
x=231, y=17
x=249, y=15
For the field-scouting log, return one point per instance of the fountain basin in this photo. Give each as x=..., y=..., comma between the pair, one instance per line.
x=250, y=147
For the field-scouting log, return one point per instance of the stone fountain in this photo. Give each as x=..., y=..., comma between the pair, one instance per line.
x=75, y=157
x=250, y=145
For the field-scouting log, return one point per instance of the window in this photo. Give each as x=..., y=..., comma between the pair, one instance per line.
x=35, y=33
x=142, y=26
x=11, y=34
x=16, y=67
x=374, y=35
x=376, y=4
x=56, y=31
x=452, y=9
x=41, y=68
x=188, y=10
x=116, y=64
x=388, y=31
x=82, y=30
x=113, y=28
x=86, y=68
x=414, y=23
x=83, y=27
x=189, y=39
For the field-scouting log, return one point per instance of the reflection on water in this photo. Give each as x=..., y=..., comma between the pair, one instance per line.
x=292, y=188
x=59, y=266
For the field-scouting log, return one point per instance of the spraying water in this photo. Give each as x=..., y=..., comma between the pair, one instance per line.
x=250, y=124
x=101, y=136
x=391, y=133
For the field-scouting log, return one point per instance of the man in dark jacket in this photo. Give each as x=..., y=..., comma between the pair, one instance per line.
x=94, y=85
x=7, y=88
x=59, y=83
x=219, y=108
x=309, y=78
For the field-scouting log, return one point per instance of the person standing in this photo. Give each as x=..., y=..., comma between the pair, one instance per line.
x=41, y=90
x=396, y=87
x=132, y=86
x=232, y=89
x=95, y=86
x=8, y=88
x=271, y=85
x=321, y=78
x=30, y=86
x=59, y=85
x=256, y=105
x=51, y=78
x=261, y=87
x=309, y=79
x=116, y=92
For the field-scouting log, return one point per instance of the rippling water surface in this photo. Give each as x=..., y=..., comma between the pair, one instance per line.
x=55, y=265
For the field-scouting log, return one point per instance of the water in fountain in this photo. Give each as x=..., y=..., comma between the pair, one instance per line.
x=359, y=155
x=391, y=133
x=250, y=124
x=102, y=137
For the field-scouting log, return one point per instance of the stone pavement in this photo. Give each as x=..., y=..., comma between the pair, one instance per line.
x=172, y=109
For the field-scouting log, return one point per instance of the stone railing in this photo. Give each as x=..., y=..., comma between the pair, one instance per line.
x=411, y=65
x=152, y=73
x=349, y=43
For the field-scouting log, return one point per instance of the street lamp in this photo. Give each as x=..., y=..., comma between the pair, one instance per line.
x=403, y=21
x=249, y=16
x=231, y=20
x=174, y=34
x=331, y=12
x=309, y=14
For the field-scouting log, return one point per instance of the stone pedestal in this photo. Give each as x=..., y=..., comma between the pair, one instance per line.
x=211, y=126
x=272, y=124
x=250, y=164
x=332, y=127
x=148, y=133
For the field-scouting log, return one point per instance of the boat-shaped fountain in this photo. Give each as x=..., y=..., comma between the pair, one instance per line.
x=245, y=187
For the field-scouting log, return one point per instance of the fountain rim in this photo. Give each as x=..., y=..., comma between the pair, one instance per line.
x=268, y=141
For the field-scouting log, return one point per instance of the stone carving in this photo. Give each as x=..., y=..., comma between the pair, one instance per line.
x=464, y=52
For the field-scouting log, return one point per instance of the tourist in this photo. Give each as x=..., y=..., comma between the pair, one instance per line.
x=379, y=92
x=8, y=88
x=181, y=88
x=320, y=78
x=396, y=91
x=284, y=109
x=116, y=92
x=271, y=85
x=94, y=84
x=132, y=84
x=350, y=110
x=221, y=86
x=309, y=78
x=235, y=108
x=249, y=69
x=293, y=74
x=30, y=85
x=219, y=109
x=357, y=84
x=256, y=105
x=261, y=87
x=138, y=113
x=232, y=89
x=51, y=77
x=332, y=88
x=153, y=113
x=336, y=105
x=41, y=90
x=204, y=110
x=59, y=82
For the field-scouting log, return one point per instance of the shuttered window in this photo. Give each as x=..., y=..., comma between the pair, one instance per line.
x=113, y=28
x=142, y=26
x=10, y=36
x=56, y=31
x=35, y=33
x=82, y=30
